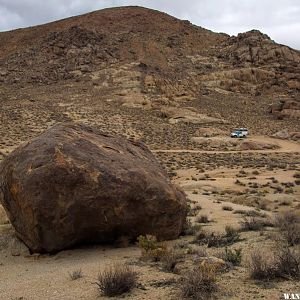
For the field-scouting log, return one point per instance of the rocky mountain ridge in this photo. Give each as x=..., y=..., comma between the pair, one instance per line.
x=171, y=49
x=144, y=74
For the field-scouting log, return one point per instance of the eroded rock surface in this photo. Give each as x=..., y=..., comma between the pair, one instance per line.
x=73, y=184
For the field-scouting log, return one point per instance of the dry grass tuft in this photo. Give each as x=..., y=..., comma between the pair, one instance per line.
x=76, y=274
x=116, y=280
x=199, y=283
x=285, y=263
x=255, y=224
x=289, y=226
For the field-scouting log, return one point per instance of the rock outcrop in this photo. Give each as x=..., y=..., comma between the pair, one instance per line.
x=289, y=108
x=74, y=184
x=183, y=60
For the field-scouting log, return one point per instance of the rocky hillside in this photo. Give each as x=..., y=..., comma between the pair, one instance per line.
x=75, y=48
x=143, y=73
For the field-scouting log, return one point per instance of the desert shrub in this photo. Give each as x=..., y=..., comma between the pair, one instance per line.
x=200, y=236
x=199, y=283
x=289, y=226
x=242, y=172
x=231, y=234
x=232, y=256
x=217, y=239
x=261, y=267
x=116, y=280
x=148, y=242
x=296, y=175
x=227, y=207
x=202, y=219
x=201, y=251
x=288, y=263
x=76, y=274
x=190, y=229
x=255, y=172
x=285, y=202
x=170, y=259
x=181, y=244
x=151, y=249
x=250, y=213
x=284, y=263
x=254, y=185
x=198, y=207
x=238, y=182
x=193, y=211
x=254, y=224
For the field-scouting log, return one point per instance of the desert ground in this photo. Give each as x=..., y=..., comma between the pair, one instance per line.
x=246, y=182
x=181, y=92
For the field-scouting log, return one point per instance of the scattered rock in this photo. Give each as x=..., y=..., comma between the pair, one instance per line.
x=189, y=115
x=217, y=263
x=283, y=134
x=210, y=132
x=255, y=145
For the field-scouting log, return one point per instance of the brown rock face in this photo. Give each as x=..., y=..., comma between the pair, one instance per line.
x=73, y=184
x=286, y=109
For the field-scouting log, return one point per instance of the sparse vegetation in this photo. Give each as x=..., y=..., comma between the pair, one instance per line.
x=250, y=213
x=170, y=259
x=255, y=224
x=296, y=175
x=107, y=71
x=217, y=239
x=76, y=274
x=232, y=256
x=200, y=283
x=289, y=226
x=190, y=229
x=232, y=234
x=227, y=207
x=194, y=210
x=283, y=263
x=151, y=249
x=158, y=252
x=116, y=280
x=202, y=219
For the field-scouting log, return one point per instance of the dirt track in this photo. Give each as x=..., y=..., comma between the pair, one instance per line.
x=285, y=146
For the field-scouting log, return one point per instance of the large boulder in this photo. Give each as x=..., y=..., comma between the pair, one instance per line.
x=74, y=184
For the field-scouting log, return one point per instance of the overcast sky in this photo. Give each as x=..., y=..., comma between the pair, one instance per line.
x=280, y=19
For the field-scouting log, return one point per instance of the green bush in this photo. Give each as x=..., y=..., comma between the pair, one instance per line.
x=232, y=256
x=151, y=249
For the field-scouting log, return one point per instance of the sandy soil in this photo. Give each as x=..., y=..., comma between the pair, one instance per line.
x=47, y=277
x=120, y=91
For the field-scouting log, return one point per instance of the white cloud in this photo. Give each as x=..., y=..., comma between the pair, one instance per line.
x=280, y=19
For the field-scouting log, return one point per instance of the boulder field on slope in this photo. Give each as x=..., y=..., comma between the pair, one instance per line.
x=224, y=143
x=74, y=184
x=285, y=135
x=189, y=115
x=286, y=108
